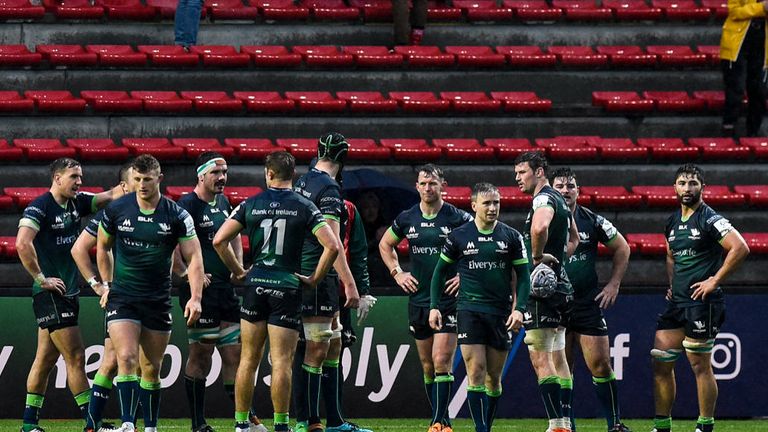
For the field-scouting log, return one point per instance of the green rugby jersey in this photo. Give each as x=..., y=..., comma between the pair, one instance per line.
x=277, y=222
x=557, y=240
x=57, y=229
x=593, y=229
x=208, y=218
x=486, y=261
x=696, y=249
x=317, y=186
x=426, y=236
x=144, y=244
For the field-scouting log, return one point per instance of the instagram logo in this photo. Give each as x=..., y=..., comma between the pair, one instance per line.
x=726, y=356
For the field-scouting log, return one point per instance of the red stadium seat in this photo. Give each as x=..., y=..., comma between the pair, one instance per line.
x=324, y=56
x=682, y=9
x=175, y=192
x=374, y=10
x=12, y=101
x=169, y=55
x=440, y=11
x=509, y=148
x=112, y=100
x=221, y=56
x=238, y=194
x=484, y=10
x=335, y=10
x=476, y=56
x=567, y=147
x=425, y=56
x=668, y=148
x=471, y=102
x=371, y=102
x=512, y=196
x=757, y=242
x=251, y=148
x=611, y=196
x=718, y=7
x=316, y=101
x=578, y=56
x=677, y=55
x=460, y=196
x=127, y=10
x=757, y=195
x=618, y=148
x=303, y=149
x=714, y=99
x=411, y=149
x=280, y=10
x=657, y=196
x=522, y=101
x=160, y=148
x=167, y=8
x=67, y=55
x=18, y=55
x=420, y=102
x=633, y=10
x=527, y=56
x=649, y=244
x=20, y=9
x=265, y=102
x=759, y=146
x=373, y=56
x=194, y=146
x=22, y=196
x=583, y=10
x=271, y=55
x=117, y=55
x=464, y=149
x=533, y=10
x=163, y=101
x=98, y=149
x=55, y=101
x=74, y=9
x=712, y=52
x=8, y=247
x=621, y=101
x=6, y=203
x=43, y=149
x=367, y=149
x=627, y=56
x=722, y=196
x=720, y=148
x=213, y=101
x=678, y=101
x=230, y=10
x=9, y=153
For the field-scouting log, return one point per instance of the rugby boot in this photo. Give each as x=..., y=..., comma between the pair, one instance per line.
x=447, y=429
x=127, y=427
x=315, y=427
x=256, y=425
x=620, y=428
x=205, y=428
x=107, y=427
x=346, y=427
x=34, y=429
x=437, y=427
x=301, y=427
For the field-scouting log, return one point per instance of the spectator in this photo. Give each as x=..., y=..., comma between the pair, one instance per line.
x=409, y=23
x=186, y=22
x=371, y=213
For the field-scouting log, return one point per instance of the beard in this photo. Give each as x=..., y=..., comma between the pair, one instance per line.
x=690, y=199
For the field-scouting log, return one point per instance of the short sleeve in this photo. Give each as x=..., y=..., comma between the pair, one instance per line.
x=542, y=200
x=451, y=251
x=605, y=229
x=84, y=203
x=33, y=215
x=92, y=227
x=718, y=227
x=186, y=225
x=330, y=203
x=517, y=248
x=238, y=214
x=398, y=226
x=315, y=219
x=465, y=217
x=107, y=222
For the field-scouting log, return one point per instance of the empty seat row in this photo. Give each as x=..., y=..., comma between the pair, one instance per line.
x=360, y=56
x=271, y=102
x=665, y=101
x=22, y=196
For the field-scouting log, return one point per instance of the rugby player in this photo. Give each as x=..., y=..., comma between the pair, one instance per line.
x=275, y=221
x=587, y=326
x=426, y=225
x=488, y=252
x=144, y=228
x=696, y=239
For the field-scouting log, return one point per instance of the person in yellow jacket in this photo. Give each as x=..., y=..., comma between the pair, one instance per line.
x=742, y=55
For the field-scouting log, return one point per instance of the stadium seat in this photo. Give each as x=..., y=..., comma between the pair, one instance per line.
x=194, y=146
x=167, y=8
x=625, y=101
x=438, y=10
x=67, y=55
x=476, y=56
x=757, y=242
x=527, y=56
x=420, y=102
x=117, y=55
x=6, y=202
x=8, y=247
x=617, y=148
x=18, y=55
x=74, y=9
x=238, y=194
x=631, y=10
x=22, y=196
x=374, y=10
x=714, y=99
x=712, y=52
x=509, y=148
x=425, y=56
x=163, y=101
x=757, y=195
x=55, y=101
x=111, y=101
x=230, y=10
x=464, y=149
x=9, y=153
x=649, y=244
x=373, y=56
x=533, y=10
x=578, y=56
x=718, y=7
x=175, y=192
x=567, y=147
x=677, y=55
x=98, y=149
x=512, y=196
x=265, y=102
x=251, y=148
x=720, y=148
x=271, y=55
x=657, y=196
x=722, y=196
x=20, y=10
x=221, y=56
x=678, y=101
x=313, y=102
x=471, y=102
x=43, y=149
x=370, y=102
x=213, y=101
x=367, y=149
x=303, y=149
x=280, y=10
x=411, y=149
x=334, y=10
x=127, y=10
x=583, y=10
x=759, y=146
x=668, y=148
x=627, y=56
x=160, y=148
x=12, y=101
x=324, y=56
x=611, y=196
x=682, y=9
x=169, y=55
x=460, y=196
x=484, y=10
x=522, y=101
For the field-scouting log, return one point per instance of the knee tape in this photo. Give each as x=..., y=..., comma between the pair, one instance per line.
x=698, y=346
x=202, y=335
x=541, y=340
x=337, y=332
x=229, y=336
x=666, y=356
x=559, y=342
x=318, y=332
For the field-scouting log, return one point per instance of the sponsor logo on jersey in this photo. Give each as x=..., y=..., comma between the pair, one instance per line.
x=126, y=226
x=65, y=240
x=207, y=222
x=695, y=234
x=274, y=204
x=723, y=226
x=425, y=250
x=671, y=235
x=445, y=230
x=165, y=228
x=486, y=265
x=699, y=324
x=412, y=234
x=485, y=239
x=682, y=227
x=503, y=247
x=427, y=225
x=462, y=336
x=145, y=219
x=471, y=249
x=583, y=237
